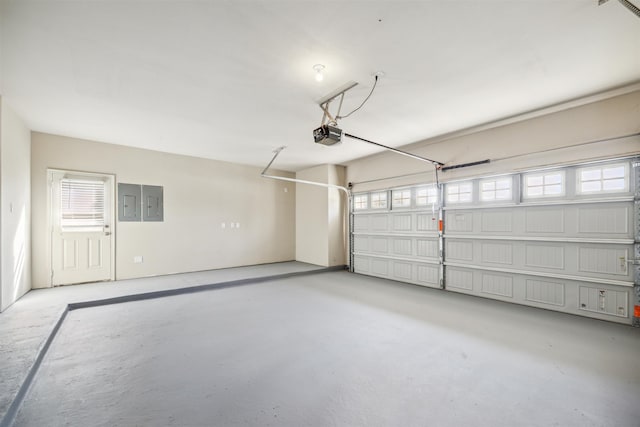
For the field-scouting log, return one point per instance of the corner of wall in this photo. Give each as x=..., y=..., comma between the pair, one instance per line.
x=338, y=217
x=15, y=206
x=320, y=217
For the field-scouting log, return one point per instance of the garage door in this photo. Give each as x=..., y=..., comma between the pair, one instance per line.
x=561, y=239
x=395, y=235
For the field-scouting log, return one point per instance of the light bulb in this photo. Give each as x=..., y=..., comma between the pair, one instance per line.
x=319, y=75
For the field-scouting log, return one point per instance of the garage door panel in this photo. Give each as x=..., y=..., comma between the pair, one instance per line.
x=496, y=284
x=401, y=223
x=427, y=222
x=595, y=261
x=600, y=301
x=402, y=271
x=500, y=253
x=379, y=267
x=427, y=248
x=428, y=275
x=361, y=244
x=603, y=260
x=544, y=256
x=459, y=250
x=361, y=264
x=585, y=221
x=378, y=223
x=459, y=279
x=545, y=292
x=361, y=223
x=498, y=221
x=459, y=221
x=544, y=220
x=402, y=247
x=607, y=220
x=603, y=301
x=405, y=271
x=379, y=245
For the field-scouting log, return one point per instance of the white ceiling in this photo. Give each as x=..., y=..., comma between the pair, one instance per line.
x=233, y=80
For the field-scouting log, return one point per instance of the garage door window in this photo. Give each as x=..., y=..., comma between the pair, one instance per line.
x=495, y=189
x=379, y=200
x=550, y=184
x=360, y=201
x=459, y=193
x=426, y=196
x=603, y=179
x=401, y=199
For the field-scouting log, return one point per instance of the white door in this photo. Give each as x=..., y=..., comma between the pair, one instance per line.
x=81, y=208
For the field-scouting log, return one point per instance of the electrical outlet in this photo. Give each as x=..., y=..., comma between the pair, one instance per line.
x=138, y=259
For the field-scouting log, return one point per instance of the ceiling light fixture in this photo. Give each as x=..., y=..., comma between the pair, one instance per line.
x=319, y=68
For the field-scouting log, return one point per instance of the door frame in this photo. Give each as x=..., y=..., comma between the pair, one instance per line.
x=110, y=178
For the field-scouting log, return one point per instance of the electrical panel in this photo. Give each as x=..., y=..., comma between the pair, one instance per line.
x=129, y=202
x=140, y=203
x=152, y=209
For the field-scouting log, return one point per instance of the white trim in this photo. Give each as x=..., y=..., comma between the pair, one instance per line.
x=423, y=234
x=393, y=258
x=544, y=203
x=543, y=239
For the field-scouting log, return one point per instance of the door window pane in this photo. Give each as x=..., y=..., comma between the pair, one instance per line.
x=82, y=203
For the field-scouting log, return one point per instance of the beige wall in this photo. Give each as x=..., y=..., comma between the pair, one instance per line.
x=337, y=218
x=15, y=206
x=312, y=205
x=320, y=217
x=199, y=195
x=556, y=137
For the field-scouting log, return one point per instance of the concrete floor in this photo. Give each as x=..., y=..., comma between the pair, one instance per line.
x=334, y=349
x=25, y=326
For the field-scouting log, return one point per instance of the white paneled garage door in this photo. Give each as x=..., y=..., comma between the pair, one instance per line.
x=395, y=235
x=561, y=239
